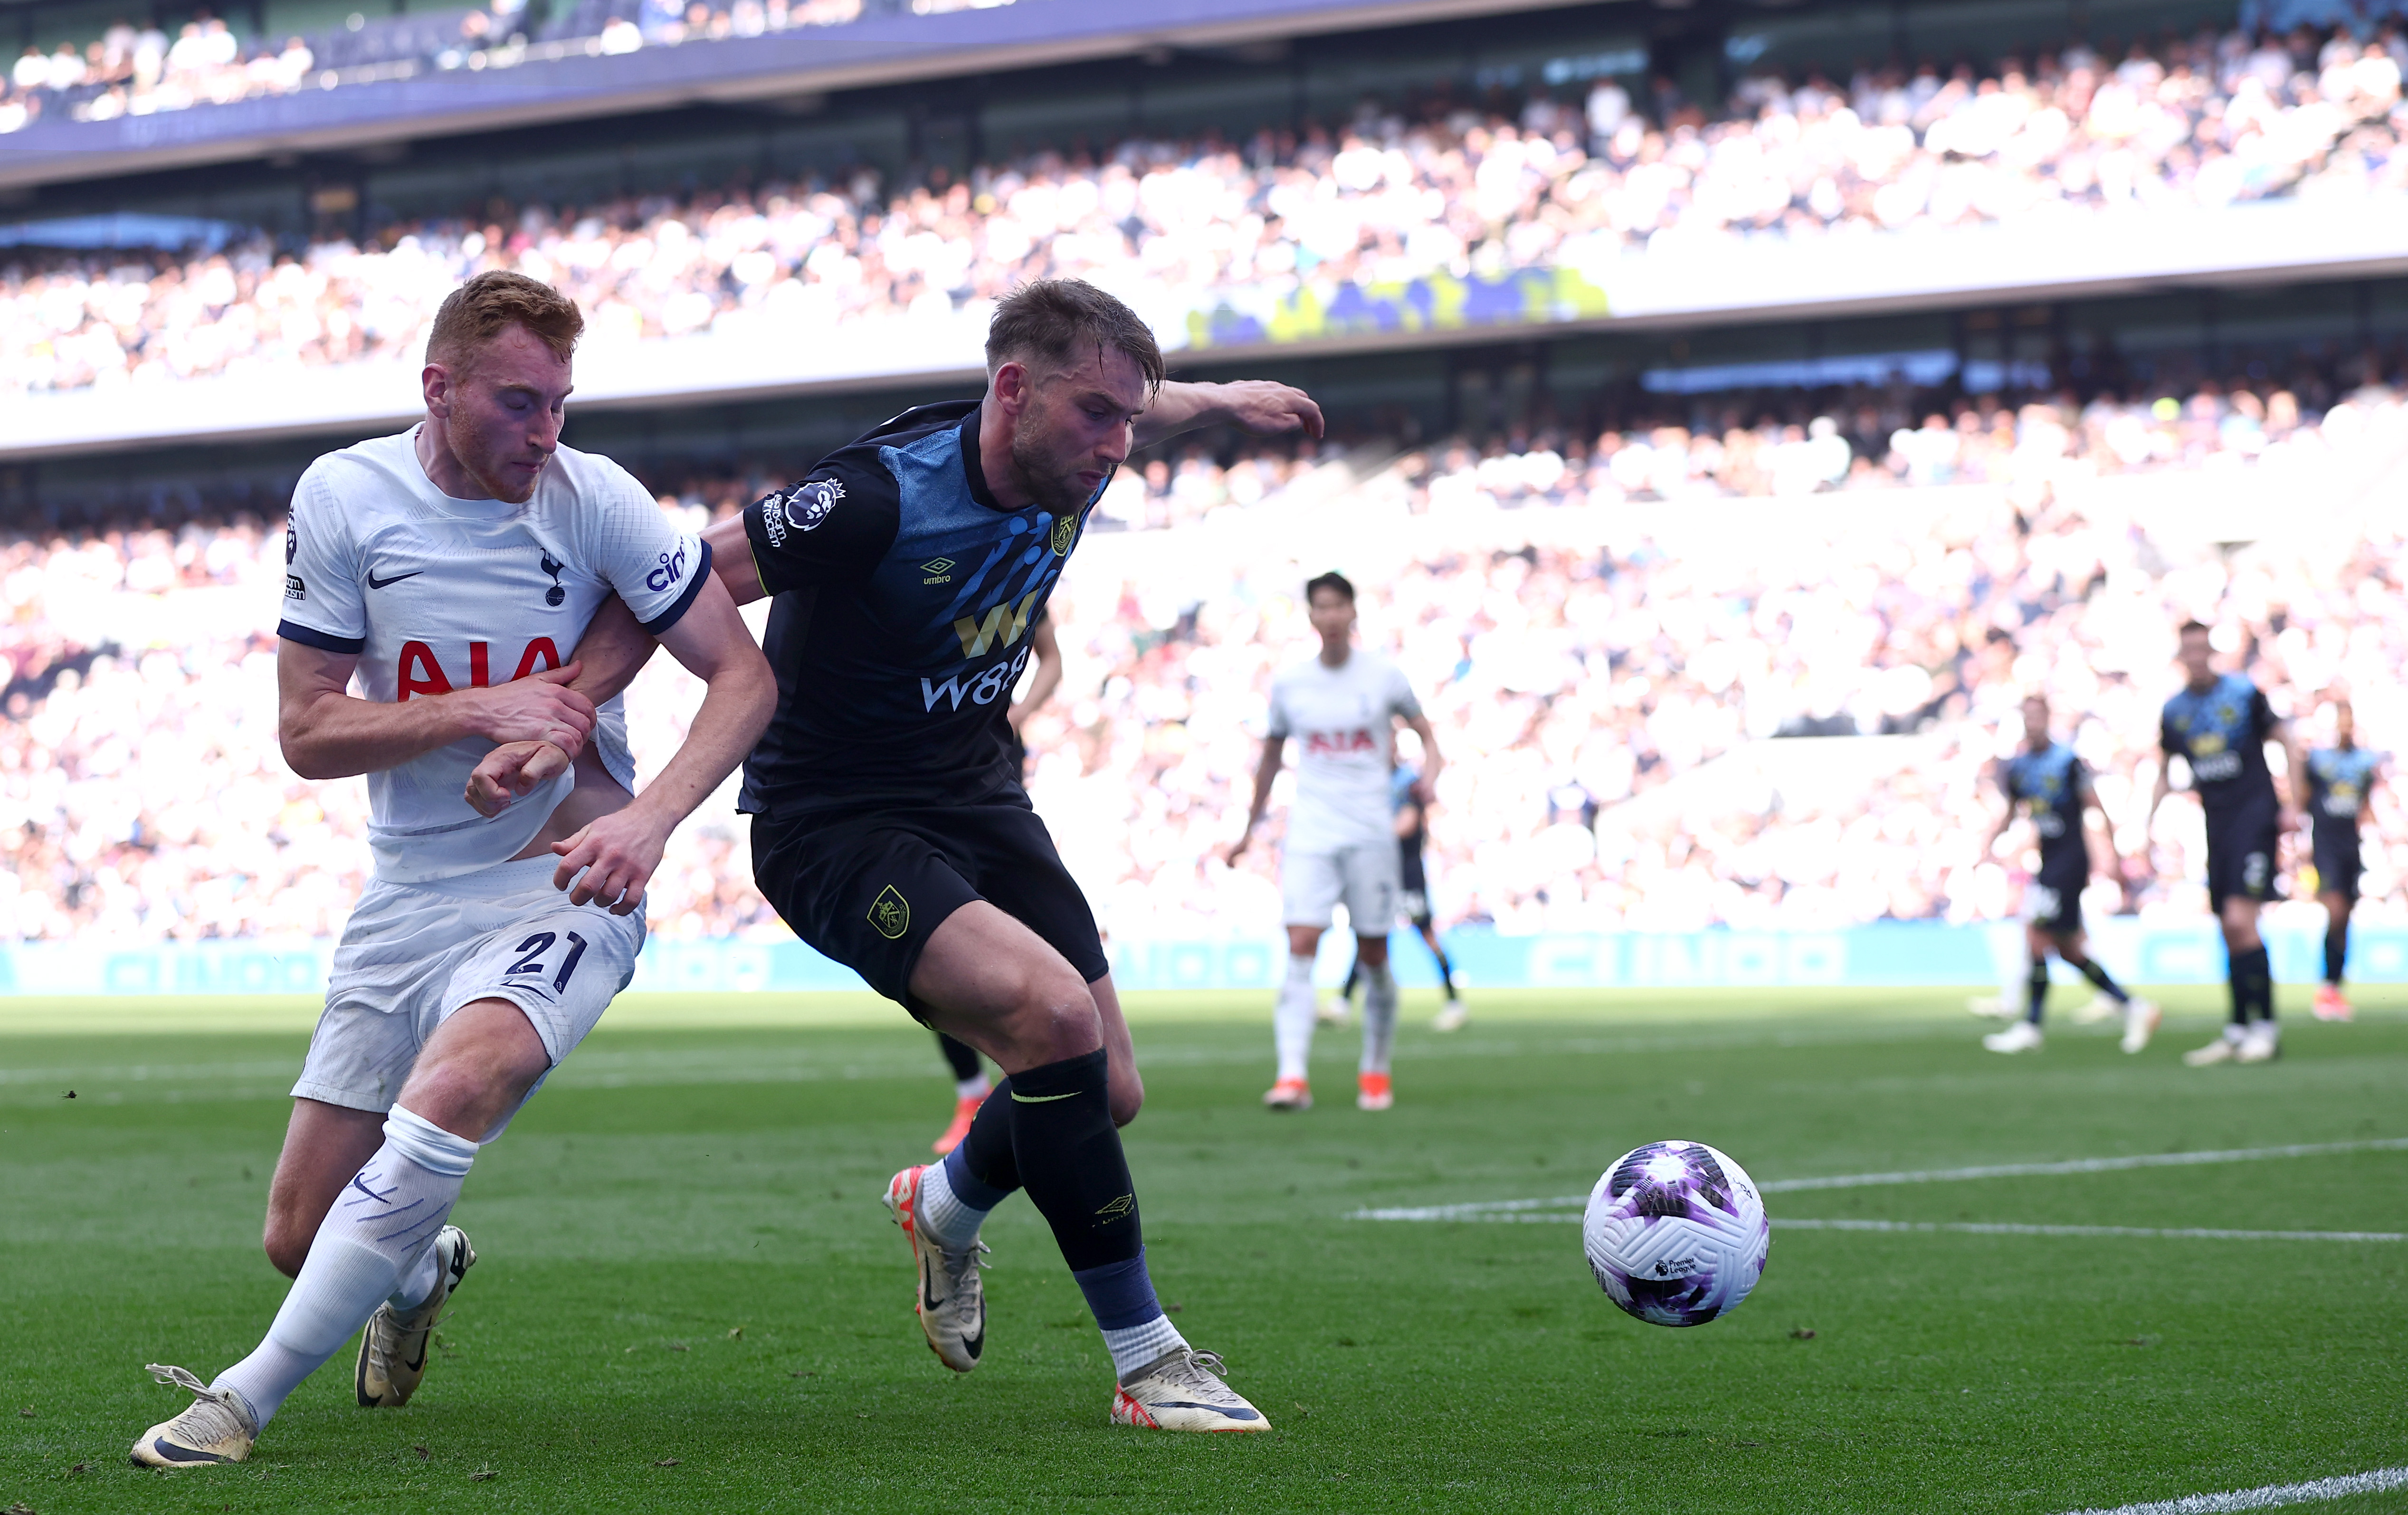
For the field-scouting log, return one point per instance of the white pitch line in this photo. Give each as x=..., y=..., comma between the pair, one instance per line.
x=2005, y=1228
x=2272, y=1496
x=2085, y=1165
x=1507, y=1209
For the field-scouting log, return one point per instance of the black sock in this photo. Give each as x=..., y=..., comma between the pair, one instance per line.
x=2254, y=983
x=1445, y=973
x=2036, y=990
x=986, y=1152
x=1353, y=977
x=1069, y=1158
x=2097, y=975
x=2233, y=975
x=2336, y=952
x=964, y=1059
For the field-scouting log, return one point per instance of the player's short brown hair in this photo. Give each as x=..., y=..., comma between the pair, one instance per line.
x=491, y=303
x=1049, y=320
x=1334, y=581
x=2193, y=627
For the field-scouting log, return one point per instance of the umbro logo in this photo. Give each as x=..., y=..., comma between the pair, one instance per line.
x=940, y=571
x=374, y=582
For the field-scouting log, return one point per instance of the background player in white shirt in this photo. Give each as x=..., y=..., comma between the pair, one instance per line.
x=1342, y=708
x=444, y=569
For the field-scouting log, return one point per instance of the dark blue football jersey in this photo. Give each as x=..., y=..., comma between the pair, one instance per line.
x=904, y=598
x=2338, y=781
x=2221, y=732
x=2051, y=785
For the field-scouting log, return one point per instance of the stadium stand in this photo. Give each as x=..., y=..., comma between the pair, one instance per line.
x=1626, y=680
x=1384, y=198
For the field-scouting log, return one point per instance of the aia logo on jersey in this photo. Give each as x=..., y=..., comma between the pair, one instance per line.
x=671, y=569
x=1339, y=743
x=419, y=671
x=808, y=503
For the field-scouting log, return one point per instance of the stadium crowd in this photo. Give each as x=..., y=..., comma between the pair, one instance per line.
x=131, y=70
x=1385, y=197
x=142, y=794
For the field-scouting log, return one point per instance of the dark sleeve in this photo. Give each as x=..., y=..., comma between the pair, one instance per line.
x=831, y=528
x=2261, y=715
x=2077, y=774
x=2168, y=739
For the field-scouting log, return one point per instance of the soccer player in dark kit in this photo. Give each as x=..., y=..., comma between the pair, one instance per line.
x=2341, y=780
x=890, y=828
x=2220, y=725
x=2050, y=784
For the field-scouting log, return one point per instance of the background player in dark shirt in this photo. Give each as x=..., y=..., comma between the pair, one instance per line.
x=2341, y=781
x=890, y=828
x=2220, y=725
x=2048, y=783
x=970, y=1085
x=1413, y=898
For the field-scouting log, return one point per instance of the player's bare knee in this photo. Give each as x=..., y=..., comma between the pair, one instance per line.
x=467, y=1096
x=286, y=1242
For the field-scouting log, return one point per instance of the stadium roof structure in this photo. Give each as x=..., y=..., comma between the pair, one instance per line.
x=1702, y=283
x=563, y=82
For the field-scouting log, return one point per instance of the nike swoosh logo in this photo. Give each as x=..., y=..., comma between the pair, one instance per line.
x=976, y=1344
x=928, y=1285
x=1042, y=1099
x=419, y=1366
x=374, y=582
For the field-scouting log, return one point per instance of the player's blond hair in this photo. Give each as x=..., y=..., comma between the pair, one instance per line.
x=473, y=315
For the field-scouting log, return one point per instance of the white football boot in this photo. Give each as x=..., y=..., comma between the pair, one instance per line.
x=1331, y=1010
x=2023, y=1036
x=392, y=1345
x=2142, y=1018
x=951, y=1297
x=1451, y=1017
x=216, y=1427
x=1182, y=1391
x=2224, y=1048
x=2263, y=1043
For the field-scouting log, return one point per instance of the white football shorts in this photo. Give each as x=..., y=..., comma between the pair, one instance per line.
x=412, y=954
x=1366, y=878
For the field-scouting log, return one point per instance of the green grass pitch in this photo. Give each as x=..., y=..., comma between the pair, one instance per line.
x=689, y=1297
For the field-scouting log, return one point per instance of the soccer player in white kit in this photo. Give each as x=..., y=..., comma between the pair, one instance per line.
x=445, y=568
x=1342, y=706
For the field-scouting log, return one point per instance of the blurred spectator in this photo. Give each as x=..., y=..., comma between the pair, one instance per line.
x=2207, y=122
x=1586, y=695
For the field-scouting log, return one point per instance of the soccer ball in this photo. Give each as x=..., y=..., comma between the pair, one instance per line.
x=1676, y=1233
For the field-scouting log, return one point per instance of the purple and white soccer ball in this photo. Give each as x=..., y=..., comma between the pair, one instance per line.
x=1676, y=1233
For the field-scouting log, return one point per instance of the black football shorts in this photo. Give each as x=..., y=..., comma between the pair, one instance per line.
x=867, y=888
x=2241, y=854
x=2053, y=899
x=2339, y=863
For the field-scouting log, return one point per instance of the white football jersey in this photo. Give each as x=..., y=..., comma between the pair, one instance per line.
x=434, y=594
x=1343, y=720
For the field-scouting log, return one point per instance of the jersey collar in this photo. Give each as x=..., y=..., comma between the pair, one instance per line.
x=973, y=471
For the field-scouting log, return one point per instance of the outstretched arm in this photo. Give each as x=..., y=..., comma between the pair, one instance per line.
x=1433, y=761
x=1047, y=678
x=1265, y=771
x=1261, y=406
x=612, y=651
x=328, y=733
x=619, y=851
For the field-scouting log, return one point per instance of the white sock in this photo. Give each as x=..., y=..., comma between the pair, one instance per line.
x=1292, y=1020
x=1138, y=1345
x=972, y=1088
x=949, y=1220
x=1379, y=1018
x=375, y=1235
